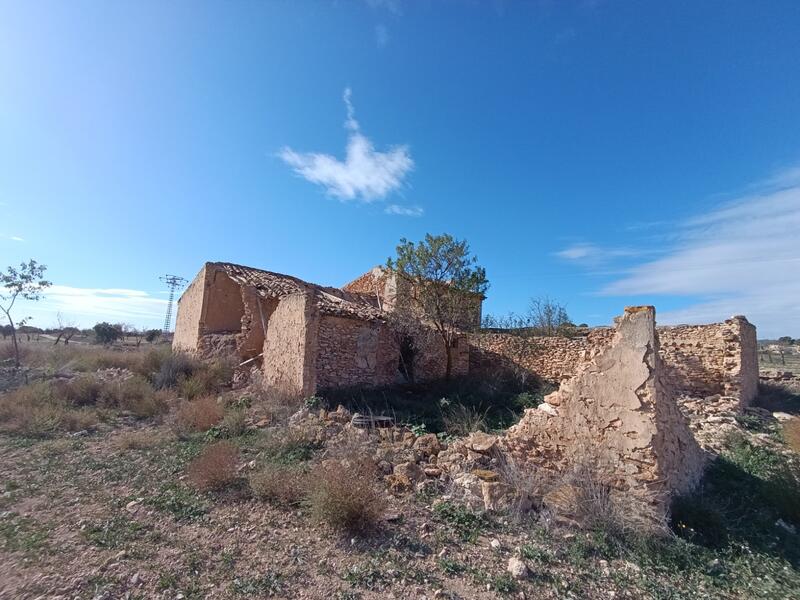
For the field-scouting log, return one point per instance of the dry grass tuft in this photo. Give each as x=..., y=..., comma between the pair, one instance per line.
x=140, y=440
x=280, y=484
x=197, y=415
x=215, y=467
x=343, y=494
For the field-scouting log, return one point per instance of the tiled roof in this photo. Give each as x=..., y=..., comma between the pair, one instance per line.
x=332, y=301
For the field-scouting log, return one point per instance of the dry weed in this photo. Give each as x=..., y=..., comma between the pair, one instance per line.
x=279, y=484
x=197, y=415
x=140, y=440
x=215, y=467
x=343, y=494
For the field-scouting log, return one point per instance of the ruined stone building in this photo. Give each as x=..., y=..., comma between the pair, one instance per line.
x=308, y=337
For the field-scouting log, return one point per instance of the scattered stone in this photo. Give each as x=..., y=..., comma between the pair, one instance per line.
x=481, y=442
x=495, y=544
x=485, y=475
x=428, y=445
x=409, y=470
x=398, y=483
x=517, y=568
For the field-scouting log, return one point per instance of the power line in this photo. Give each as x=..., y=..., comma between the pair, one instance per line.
x=173, y=282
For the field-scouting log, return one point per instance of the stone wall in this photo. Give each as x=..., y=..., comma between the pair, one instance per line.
x=617, y=416
x=352, y=352
x=223, y=308
x=190, y=310
x=550, y=358
x=289, y=345
x=700, y=360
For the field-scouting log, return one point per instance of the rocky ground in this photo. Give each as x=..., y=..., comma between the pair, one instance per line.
x=110, y=513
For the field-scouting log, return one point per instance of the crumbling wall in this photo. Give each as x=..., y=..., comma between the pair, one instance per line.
x=552, y=359
x=257, y=313
x=223, y=309
x=190, y=310
x=619, y=415
x=700, y=360
x=289, y=347
x=741, y=360
x=353, y=352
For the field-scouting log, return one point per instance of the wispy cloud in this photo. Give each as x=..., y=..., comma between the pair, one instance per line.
x=405, y=211
x=365, y=174
x=741, y=258
x=381, y=36
x=592, y=254
x=393, y=6
x=16, y=238
x=87, y=306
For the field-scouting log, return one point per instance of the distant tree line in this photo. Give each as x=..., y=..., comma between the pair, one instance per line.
x=544, y=317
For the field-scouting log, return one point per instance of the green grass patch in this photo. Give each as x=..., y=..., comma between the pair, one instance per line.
x=468, y=525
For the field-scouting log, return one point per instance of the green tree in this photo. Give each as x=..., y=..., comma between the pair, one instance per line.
x=151, y=335
x=447, y=283
x=106, y=333
x=26, y=282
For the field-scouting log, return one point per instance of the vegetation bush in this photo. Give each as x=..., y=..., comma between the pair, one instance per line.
x=287, y=446
x=234, y=422
x=280, y=484
x=215, y=467
x=495, y=399
x=343, y=494
x=197, y=415
x=172, y=369
x=461, y=420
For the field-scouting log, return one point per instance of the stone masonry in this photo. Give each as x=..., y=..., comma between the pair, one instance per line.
x=700, y=360
x=617, y=413
x=306, y=337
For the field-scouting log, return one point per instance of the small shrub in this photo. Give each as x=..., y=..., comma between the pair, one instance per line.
x=343, y=495
x=32, y=410
x=84, y=390
x=288, y=446
x=151, y=361
x=191, y=387
x=278, y=484
x=197, y=415
x=467, y=524
x=137, y=396
x=461, y=420
x=78, y=419
x=215, y=467
x=173, y=368
x=234, y=422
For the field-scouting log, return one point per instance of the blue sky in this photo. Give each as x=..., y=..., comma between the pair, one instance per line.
x=603, y=153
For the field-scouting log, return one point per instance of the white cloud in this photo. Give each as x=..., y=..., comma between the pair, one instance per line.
x=365, y=174
x=405, y=211
x=741, y=258
x=87, y=306
x=592, y=254
x=16, y=238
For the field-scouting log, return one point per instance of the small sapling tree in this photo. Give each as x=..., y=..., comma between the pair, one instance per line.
x=26, y=282
x=446, y=283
